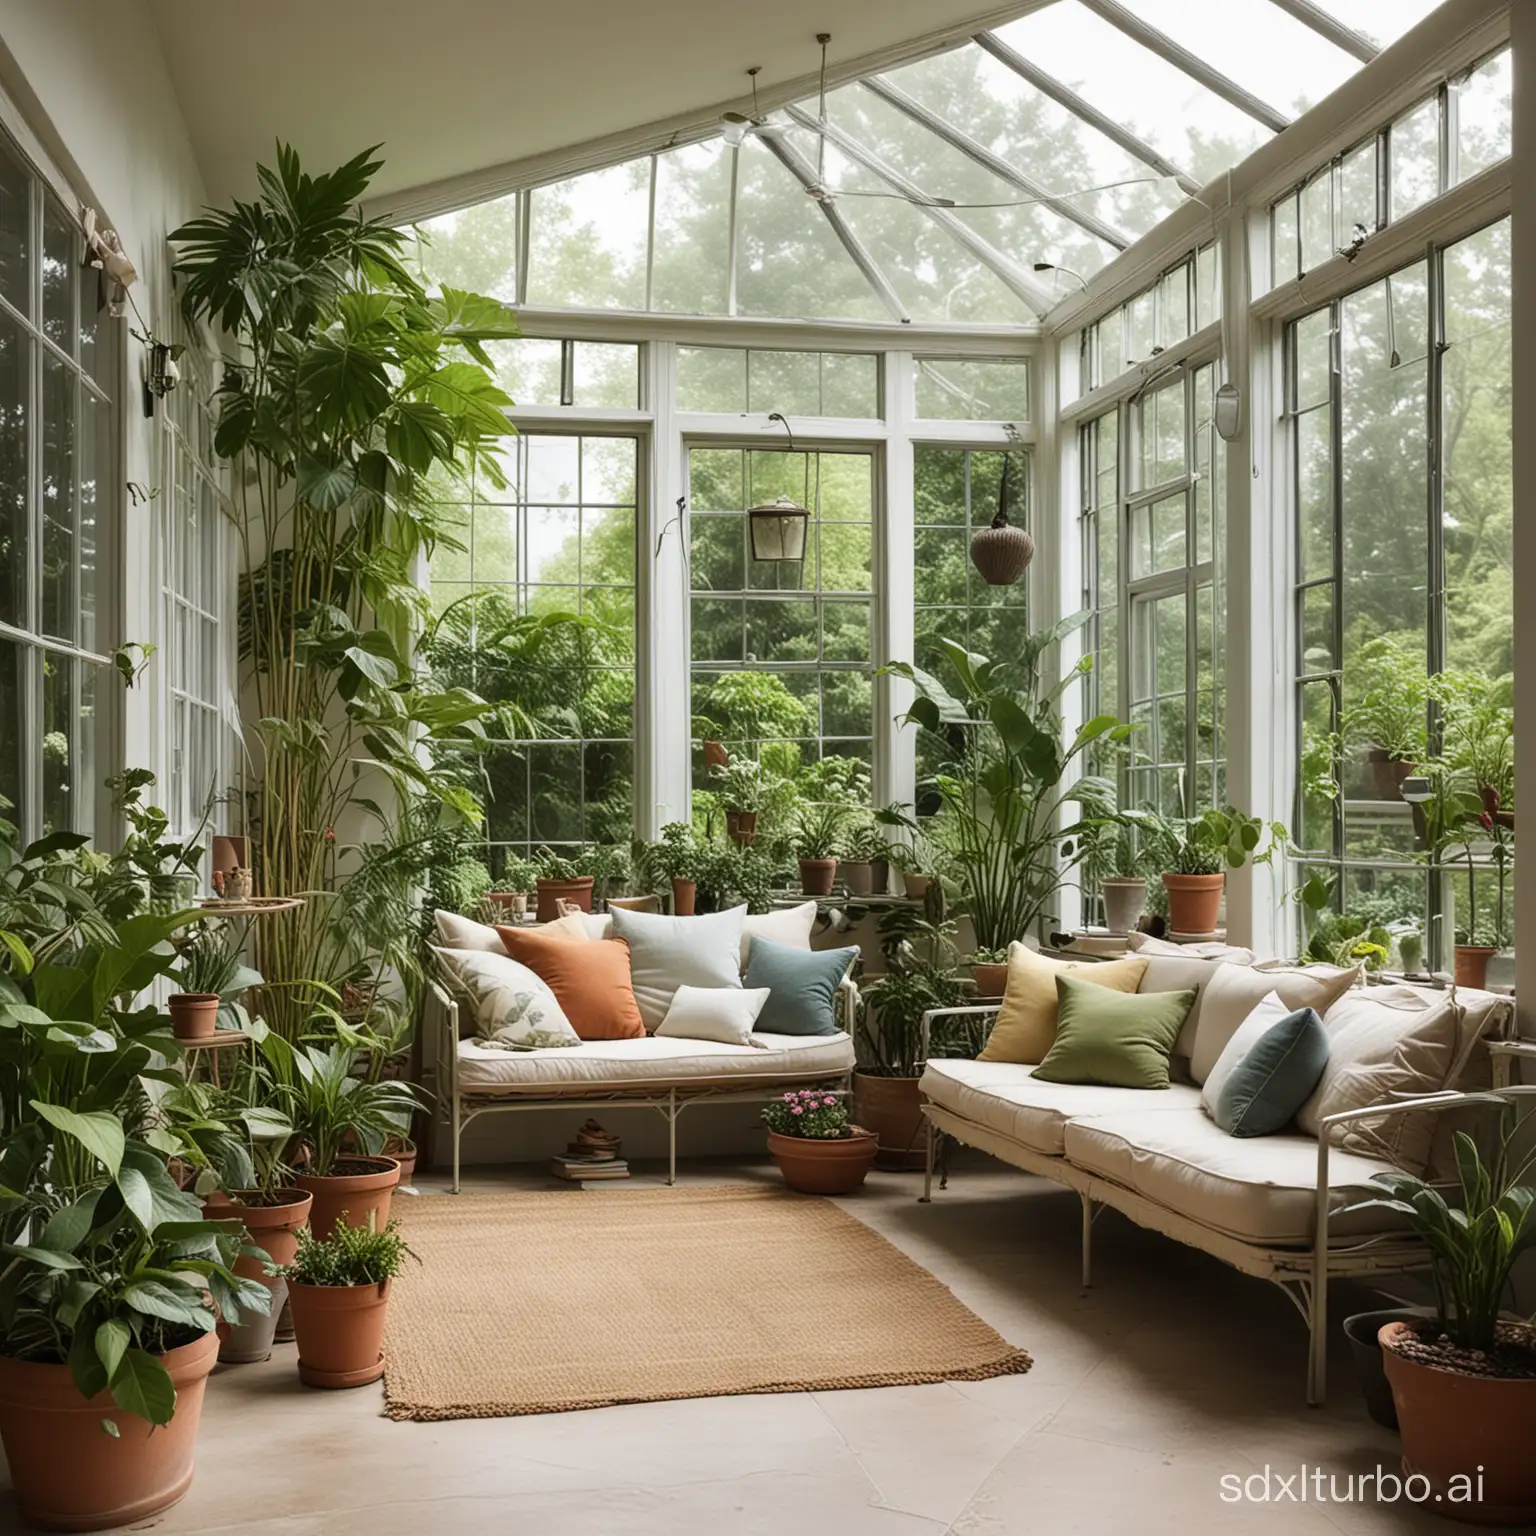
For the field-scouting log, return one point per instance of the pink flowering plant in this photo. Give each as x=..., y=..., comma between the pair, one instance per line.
x=810, y=1112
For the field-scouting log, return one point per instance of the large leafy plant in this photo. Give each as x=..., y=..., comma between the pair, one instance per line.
x=350, y=398
x=1013, y=802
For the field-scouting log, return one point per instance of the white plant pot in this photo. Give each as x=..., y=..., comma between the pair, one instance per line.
x=1125, y=899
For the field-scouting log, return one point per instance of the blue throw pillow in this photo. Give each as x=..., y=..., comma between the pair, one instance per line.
x=801, y=985
x=1265, y=1089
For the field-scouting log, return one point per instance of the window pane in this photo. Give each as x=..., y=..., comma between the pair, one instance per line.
x=589, y=245
x=1358, y=193
x=950, y=390
x=59, y=259
x=607, y=375
x=60, y=729
x=1285, y=226
x=1414, y=155
x=711, y=379
x=1483, y=116
x=1163, y=449
x=13, y=734
x=1317, y=244
x=15, y=545
x=59, y=554
x=474, y=249
x=693, y=229
x=15, y=231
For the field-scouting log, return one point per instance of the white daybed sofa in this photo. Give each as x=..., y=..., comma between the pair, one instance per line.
x=1261, y=1204
x=655, y=1072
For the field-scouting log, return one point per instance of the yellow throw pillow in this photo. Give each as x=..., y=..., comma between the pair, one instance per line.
x=1026, y=1023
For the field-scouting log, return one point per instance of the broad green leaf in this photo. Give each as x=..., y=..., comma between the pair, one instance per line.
x=142, y=1386
x=113, y=1339
x=100, y=1133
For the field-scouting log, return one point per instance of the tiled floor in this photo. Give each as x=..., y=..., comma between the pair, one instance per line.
x=1172, y=1373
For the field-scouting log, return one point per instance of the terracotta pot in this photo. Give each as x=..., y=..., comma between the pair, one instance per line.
x=194, y=1015
x=817, y=876
x=340, y=1329
x=403, y=1150
x=891, y=1107
x=715, y=755
x=858, y=876
x=68, y=1473
x=578, y=891
x=1490, y=798
x=1477, y=1428
x=1194, y=902
x=685, y=893
x=916, y=886
x=741, y=827
x=1388, y=773
x=232, y=852
x=824, y=1166
x=1471, y=964
x=1125, y=898
x=353, y=1196
x=991, y=977
x=273, y=1229
x=515, y=902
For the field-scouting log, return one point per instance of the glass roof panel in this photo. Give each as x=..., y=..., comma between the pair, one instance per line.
x=1382, y=21
x=474, y=249
x=1040, y=137
x=1279, y=59
x=589, y=238
x=692, y=263
x=1177, y=116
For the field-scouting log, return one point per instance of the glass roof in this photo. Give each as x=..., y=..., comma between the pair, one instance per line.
x=931, y=192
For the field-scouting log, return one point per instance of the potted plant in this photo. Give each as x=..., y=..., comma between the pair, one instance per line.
x=1464, y=1380
x=920, y=961
x=511, y=888
x=1112, y=862
x=1478, y=732
x=210, y=972
x=865, y=866
x=1387, y=690
x=340, y=1290
x=165, y=869
x=741, y=786
x=818, y=840
x=560, y=878
x=672, y=866
x=1195, y=853
x=818, y=1151
x=333, y=1107
x=1482, y=936
x=989, y=971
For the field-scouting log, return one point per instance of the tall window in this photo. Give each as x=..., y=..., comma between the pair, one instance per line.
x=536, y=612
x=192, y=580
x=782, y=651
x=1402, y=573
x=56, y=351
x=1152, y=487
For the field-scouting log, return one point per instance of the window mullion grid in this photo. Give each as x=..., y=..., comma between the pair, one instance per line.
x=1336, y=452
x=1434, y=617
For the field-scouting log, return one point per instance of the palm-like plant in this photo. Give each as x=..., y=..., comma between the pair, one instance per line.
x=1011, y=814
x=332, y=1106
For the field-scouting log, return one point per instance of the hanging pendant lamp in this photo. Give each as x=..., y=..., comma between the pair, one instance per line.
x=778, y=528
x=1002, y=552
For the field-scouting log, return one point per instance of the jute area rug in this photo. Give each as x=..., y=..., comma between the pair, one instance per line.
x=539, y=1303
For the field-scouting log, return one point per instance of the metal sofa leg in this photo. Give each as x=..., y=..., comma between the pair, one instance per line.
x=928, y=1154
x=458, y=1133
x=1317, y=1340
x=672, y=1136
x=1087, y=1239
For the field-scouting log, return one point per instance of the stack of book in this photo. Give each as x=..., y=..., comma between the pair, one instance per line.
x=593, y=1155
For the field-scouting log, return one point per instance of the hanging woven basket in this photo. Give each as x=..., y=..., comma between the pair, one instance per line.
x=1002, y=552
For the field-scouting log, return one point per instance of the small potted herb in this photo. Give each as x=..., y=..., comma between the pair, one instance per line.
x=1194, y=854
x=676, y=860
x=818, y=841
x=818, y=1151
x=742, y=790
x=511, y=888
x=865, y=866
x=210, y=970
x=339, y=1287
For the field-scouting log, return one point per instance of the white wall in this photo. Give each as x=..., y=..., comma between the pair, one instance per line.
x=90, y=83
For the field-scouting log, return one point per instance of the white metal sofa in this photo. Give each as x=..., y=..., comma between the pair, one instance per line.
x=654, y=1072
x=1261, y=1204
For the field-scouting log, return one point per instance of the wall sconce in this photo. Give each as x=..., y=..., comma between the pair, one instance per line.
x=1229, y=411
x=779, y=527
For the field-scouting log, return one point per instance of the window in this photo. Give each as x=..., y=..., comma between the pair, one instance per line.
x=57, y=352
x=951, y=389
x=536, y=612
x=740, y=380
x=1185, y=299
x=193, y=574
x=1398, y=577
x=782, y=653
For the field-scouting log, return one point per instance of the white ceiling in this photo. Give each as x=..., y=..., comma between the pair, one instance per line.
x=455, y=87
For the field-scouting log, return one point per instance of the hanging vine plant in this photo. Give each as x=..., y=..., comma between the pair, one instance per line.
x=350, y=399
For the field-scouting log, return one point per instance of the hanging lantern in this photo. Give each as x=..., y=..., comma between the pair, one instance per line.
x=1002, y=552
x=778, y=530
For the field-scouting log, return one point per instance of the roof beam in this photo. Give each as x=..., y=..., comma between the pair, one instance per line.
x=1009, y=272
x=1327, y=25
x=798, y=167
x=984, y=157
x=1191, y=63
x=1049, y=85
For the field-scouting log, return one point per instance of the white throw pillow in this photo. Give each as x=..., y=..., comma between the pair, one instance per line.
x=784, y=925
x=726, y=1014
x=514, y=1010
x=666, y=953
x=1234, y=991
x=465, y=933
x=597, y=925
x=1266, y=1014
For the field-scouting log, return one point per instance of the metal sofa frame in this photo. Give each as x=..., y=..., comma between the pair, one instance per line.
x=1301, y=1273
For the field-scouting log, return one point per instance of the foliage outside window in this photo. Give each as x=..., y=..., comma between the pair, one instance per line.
x=1404, y=590
x=796, y=384
x=57, y=351
x=555, y=543
x=782, y=658
x=960, y=389
x=1184, y=300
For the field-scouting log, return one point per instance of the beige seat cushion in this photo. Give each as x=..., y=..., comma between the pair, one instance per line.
x=1026, y=1022
x=1004, y=1097
x=1260, y=1189
x=653, y=1061
x=1234, y=991
x=1387, y=1042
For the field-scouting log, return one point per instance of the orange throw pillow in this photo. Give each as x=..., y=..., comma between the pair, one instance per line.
x=590, y=981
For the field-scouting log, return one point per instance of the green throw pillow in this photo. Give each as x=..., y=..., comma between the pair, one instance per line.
x=1119, y=1039
x=1265, y=1089
x=801, y=985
